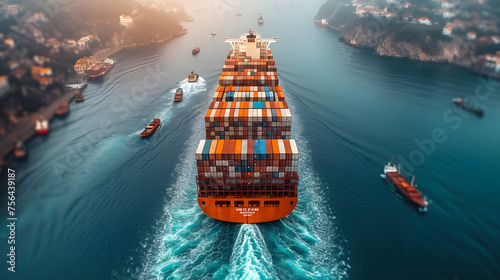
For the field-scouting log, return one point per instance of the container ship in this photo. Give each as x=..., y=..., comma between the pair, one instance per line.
x=247, y=165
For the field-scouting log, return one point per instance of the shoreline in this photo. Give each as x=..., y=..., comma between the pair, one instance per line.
x=25, y=127
x=460, y=64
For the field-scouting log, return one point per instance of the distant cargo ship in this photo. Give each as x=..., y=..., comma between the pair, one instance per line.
x=100, y=68
x=407, y=190
x=178, y=95
x=151, y=128
x=247, y=166
x=322, y=22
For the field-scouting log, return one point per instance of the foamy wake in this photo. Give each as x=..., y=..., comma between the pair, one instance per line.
x=250, y=258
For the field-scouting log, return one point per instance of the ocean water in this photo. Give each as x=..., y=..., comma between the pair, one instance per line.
x=95, y=201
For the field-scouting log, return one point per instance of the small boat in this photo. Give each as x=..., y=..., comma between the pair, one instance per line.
x=19, y=150
x=239, y=14
x=354, y=43
x=63, y=109
x=190, y=19
x=323, y=22
x=151, y=128
x=193, y=77
x=212, y=33
x=178, y=95
x=199, y=10
x=196, y=50
x=407, y=190
x=468, y=106
x=78, y=96
x=295, y=6
x=42, y=126
x=77, y=84
x=279, y=7
x=261, y=20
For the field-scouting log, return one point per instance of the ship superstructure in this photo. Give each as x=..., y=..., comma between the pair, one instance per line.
x=247, y=166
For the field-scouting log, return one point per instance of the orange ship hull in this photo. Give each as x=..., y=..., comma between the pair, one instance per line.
x=247, y=214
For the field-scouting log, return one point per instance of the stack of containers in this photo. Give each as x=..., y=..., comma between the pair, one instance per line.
x=252, y=168
x=248, y=120
x=249, y=93
x=248, y=151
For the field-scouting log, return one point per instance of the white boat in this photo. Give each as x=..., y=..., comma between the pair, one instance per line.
x=77, y=84
x=42, y=126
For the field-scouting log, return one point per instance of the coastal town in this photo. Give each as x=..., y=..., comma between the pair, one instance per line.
x=42, y=66
x=473, y=26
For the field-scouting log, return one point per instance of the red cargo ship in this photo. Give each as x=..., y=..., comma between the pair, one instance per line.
x=407, y=190
x=323, y=22
x=100, y=68
x=151, y=128
x=196, y=50
x=247, y=166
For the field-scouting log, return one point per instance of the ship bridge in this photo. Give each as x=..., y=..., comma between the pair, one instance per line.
x=250, y=46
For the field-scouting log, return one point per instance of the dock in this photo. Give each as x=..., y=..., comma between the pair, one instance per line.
x=105, y=53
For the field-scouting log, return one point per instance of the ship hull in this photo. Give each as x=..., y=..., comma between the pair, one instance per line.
x=94, y=74
x=320, y=24
x=247, y=214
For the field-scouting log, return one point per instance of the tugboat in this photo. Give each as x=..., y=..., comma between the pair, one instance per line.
x=196, y=50
x=19, y=150
x=212, y=33
x=151, y=128
x=78, y=96
x=63, y=109
x=42, y=126
x=407, y=190
x=193, y=77
x=261, y=20
x=178, y=95
x=468, y=106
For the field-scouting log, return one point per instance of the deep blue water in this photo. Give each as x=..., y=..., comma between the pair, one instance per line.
x=94, y=201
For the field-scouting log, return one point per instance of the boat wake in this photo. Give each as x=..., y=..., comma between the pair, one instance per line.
x=190, y=88
x=187, y=244
x=250, y=258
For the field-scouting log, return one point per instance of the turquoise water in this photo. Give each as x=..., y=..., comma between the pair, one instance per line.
x=97, y=202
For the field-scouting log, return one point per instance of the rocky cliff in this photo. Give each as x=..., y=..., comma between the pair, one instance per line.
x=394, y=37
x=402, y=39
